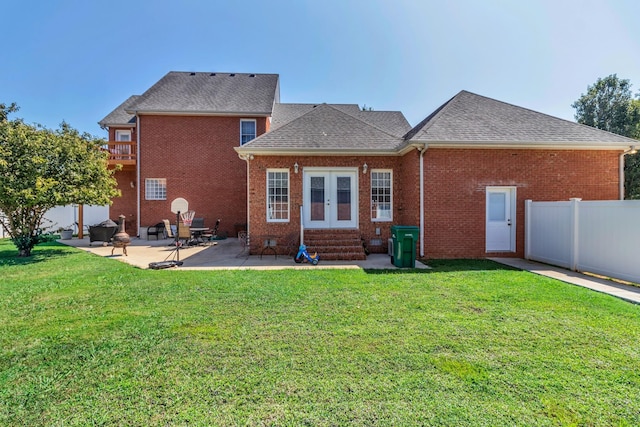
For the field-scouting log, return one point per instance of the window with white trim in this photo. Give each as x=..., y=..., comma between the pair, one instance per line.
x=155, y=189
x=122, y=151
x=381, y=195
x=123, y=135
x=277, y=195
x=247, y=130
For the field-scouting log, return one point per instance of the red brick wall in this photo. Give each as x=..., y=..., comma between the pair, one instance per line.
x=125, y=205
x=195, y=154
x=455, y=187
x=260, y=227
x=456, y=181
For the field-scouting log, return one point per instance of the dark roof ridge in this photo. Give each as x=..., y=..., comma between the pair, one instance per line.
x=430, y=118
x=366, y=123
x=322, y=105
x=544, y=114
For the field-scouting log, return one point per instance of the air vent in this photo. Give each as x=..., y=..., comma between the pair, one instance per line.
x=212, y=74
x=232, y=75
x=193, y=74
x=252, y=75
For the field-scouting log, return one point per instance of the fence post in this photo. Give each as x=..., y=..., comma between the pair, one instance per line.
x=527, y=228
x=575, y=238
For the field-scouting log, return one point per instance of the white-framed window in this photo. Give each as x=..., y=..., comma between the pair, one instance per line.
x=381, y=195
x=123, y=135
x=277, y=195
x=155, y=189
x=247, y=130
x=122, y=151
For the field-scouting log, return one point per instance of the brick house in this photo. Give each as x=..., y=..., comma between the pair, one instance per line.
x=342, y=177
x=177, y=139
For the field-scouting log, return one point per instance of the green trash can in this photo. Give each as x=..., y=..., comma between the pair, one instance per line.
x=405, y=238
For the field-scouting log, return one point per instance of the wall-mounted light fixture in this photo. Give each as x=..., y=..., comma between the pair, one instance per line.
x=132, y=184
x=295, y=167
x=365, y=167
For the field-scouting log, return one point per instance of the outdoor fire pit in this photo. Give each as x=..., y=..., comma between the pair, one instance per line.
x=121, y=239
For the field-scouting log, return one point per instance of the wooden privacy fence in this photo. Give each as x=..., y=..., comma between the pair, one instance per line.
x=601, y=237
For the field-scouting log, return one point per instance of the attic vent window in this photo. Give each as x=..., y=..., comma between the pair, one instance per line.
x=232, y=75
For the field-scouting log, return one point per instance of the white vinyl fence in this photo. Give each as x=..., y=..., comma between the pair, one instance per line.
x=601, y=237
x=67, y=216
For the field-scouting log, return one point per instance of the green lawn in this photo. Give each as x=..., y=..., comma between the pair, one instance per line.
x=86, y=340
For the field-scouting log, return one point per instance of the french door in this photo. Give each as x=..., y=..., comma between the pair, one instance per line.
x=330, y=198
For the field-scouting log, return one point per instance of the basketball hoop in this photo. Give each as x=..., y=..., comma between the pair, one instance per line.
x=187, y=217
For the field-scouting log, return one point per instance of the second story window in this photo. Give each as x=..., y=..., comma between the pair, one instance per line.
x=247, y=130
x=123, y=135
x=122, y=151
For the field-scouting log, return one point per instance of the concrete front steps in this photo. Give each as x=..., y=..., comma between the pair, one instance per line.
x=335, y=245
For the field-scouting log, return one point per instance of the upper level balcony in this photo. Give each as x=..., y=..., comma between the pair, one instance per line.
x=122, y=153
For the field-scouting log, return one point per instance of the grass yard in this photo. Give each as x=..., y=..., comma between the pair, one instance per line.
x=86, y=340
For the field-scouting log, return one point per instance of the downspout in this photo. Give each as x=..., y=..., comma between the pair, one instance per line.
x=422, y=150
x=247, y=158
x=138, y=172
x=632, y=150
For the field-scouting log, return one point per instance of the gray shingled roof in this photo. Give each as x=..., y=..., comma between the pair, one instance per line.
x=471, y=118
x=325, y=128
x=392, y=122
x=214, y=93
x=119, y=116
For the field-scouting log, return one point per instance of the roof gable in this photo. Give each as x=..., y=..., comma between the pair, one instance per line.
x=327, y=129
x=119, y=116
x=472, y=118
x=209, y=93
x=392, y=122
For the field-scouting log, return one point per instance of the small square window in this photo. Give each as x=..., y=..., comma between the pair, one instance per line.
x=155, y=189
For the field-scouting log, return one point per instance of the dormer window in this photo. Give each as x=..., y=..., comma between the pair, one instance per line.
x=247, y=130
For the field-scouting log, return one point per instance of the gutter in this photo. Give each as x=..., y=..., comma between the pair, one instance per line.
x=631, y=150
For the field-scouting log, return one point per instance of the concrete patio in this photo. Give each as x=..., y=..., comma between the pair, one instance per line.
x=225, y=254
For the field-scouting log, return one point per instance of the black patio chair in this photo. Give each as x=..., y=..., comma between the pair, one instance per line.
x=156, y=230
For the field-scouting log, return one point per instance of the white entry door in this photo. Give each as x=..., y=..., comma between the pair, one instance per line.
x=501, y=219
x=330, y=199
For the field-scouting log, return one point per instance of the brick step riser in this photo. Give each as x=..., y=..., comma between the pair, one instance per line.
x=328, y=242
x=335, y=245
x=332, y=234
x=335, y=249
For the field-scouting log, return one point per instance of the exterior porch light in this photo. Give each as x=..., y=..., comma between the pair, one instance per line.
x=364, y=168
x=295, y=167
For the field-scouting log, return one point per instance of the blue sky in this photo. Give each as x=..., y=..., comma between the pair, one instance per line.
x=76, y=60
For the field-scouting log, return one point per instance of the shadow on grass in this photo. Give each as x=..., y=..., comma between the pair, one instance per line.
x=42, y=252
x=449, y=265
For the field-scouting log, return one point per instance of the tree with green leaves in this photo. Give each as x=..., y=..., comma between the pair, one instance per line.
x=42, y=168
x=609, y=105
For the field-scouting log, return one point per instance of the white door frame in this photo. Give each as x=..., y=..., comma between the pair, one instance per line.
x=500, y=226
x=331, y=175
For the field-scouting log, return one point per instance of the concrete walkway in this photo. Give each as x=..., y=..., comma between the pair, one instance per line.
x=226, y=254
x=625, y=292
